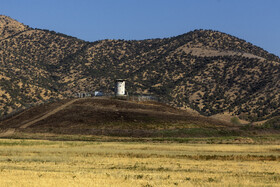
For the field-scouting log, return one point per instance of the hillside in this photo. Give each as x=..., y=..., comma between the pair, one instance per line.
x=10, y=27
x=103, y=117
x=209, y=71
x=111, y=117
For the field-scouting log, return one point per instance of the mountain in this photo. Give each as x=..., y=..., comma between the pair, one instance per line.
x=209, y=71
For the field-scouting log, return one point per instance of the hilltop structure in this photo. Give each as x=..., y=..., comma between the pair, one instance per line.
x=120, y=87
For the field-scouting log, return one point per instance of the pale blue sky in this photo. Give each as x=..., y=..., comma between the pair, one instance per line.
x=256, y=21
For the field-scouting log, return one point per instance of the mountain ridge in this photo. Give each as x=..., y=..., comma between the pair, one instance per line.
x=10, y=27
x=209, y=71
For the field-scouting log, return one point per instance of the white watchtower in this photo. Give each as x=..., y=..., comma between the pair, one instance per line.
x=120, y=87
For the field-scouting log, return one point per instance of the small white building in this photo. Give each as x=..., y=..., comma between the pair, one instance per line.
x=98, y=93
x=83, y=94
x=120, y=87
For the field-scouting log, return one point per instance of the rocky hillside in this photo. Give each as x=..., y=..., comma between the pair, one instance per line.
x=209, y=71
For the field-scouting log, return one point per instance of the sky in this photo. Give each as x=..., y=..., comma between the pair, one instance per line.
x=256, y=21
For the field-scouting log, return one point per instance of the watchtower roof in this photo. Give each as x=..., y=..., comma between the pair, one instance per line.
x=119, y=80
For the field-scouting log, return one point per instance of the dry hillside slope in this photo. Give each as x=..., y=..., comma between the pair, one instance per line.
x=10, y=27
x=111, y=117
x=209, y=71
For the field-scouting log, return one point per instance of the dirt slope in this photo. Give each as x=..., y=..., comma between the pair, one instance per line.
x=111, y=117
x=48, y=114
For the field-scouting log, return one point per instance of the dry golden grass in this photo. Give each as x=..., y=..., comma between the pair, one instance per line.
x=58, y=163
x=204, y=52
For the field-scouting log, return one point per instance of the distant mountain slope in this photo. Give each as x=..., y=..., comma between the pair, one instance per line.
x=10, y=27
x=210, y=71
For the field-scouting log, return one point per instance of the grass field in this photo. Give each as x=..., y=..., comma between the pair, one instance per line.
x=86, y=163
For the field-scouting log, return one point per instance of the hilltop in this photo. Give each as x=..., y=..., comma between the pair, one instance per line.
x=209, y=71
x=111, y=117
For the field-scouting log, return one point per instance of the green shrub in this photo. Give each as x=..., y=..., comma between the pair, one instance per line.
x=235, y=120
